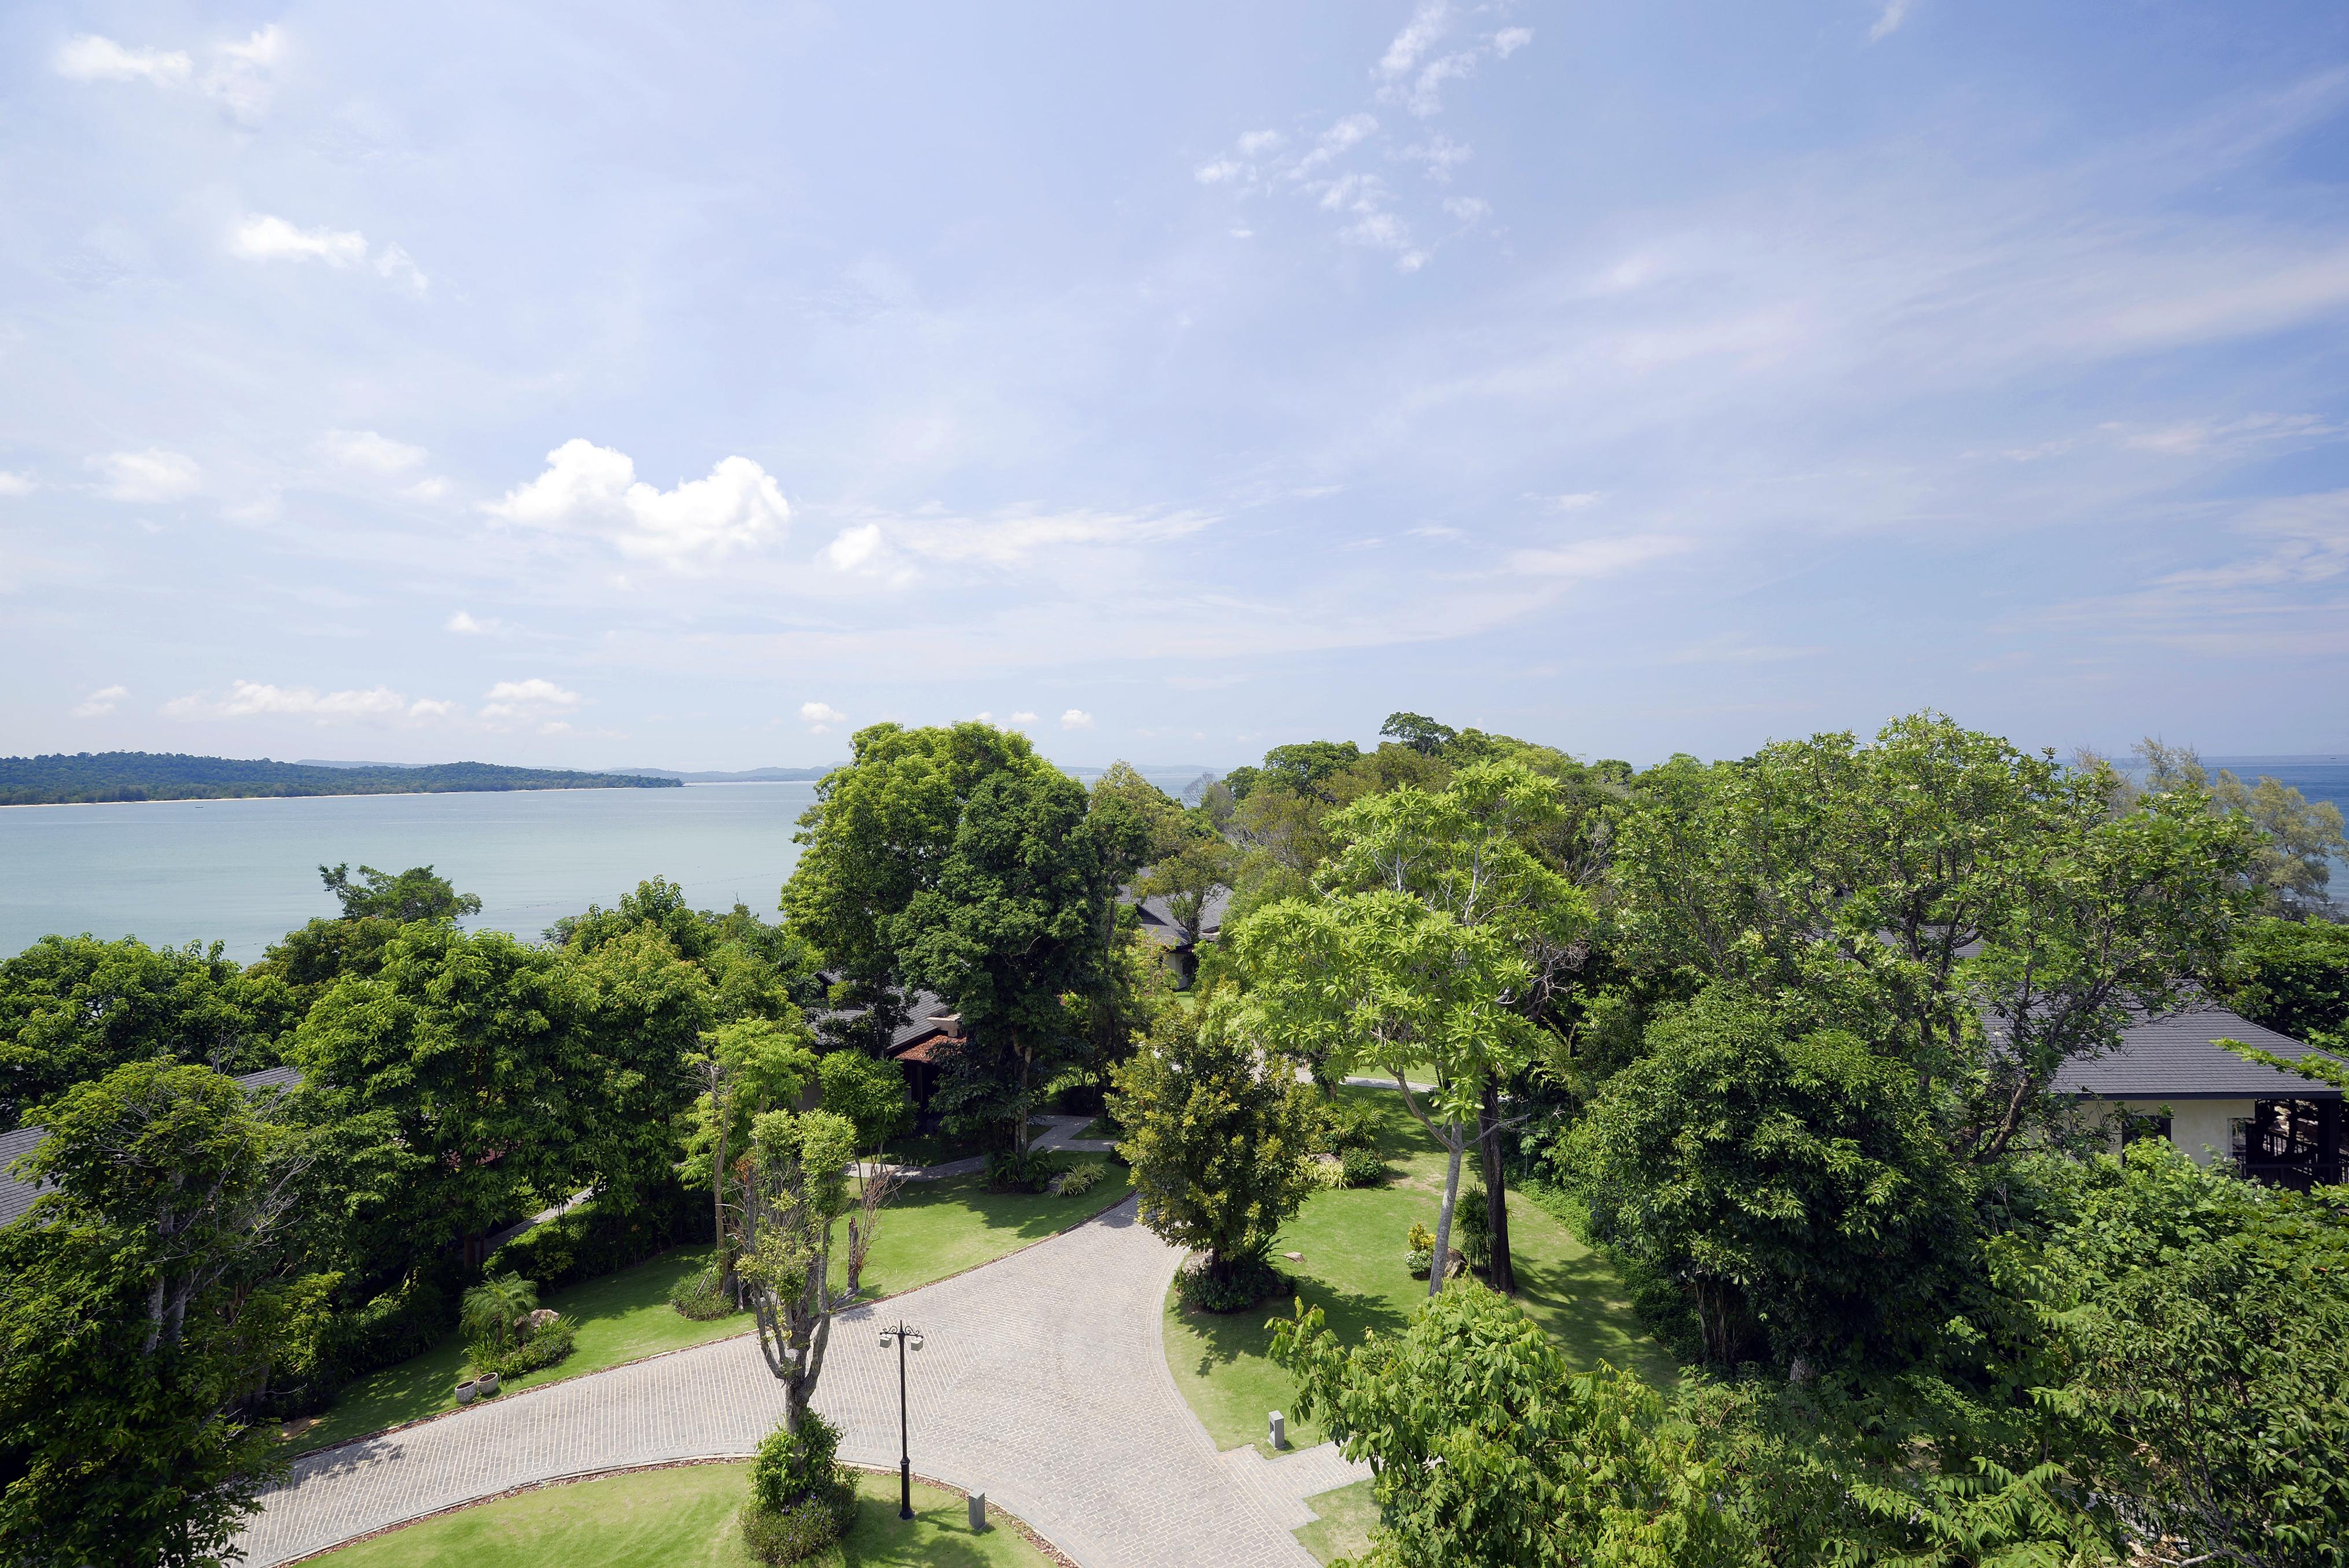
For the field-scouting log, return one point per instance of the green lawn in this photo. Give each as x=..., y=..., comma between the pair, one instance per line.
x=1344, y=1528
x=938, y=1228
x=679, y=1516
x=1354, y=1242
x=933, y=1229
x=621, y=1317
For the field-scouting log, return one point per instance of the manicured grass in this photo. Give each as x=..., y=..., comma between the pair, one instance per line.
x=621, y=1317
x=1354, y=1242
x=1344, y=1528
x=938, y=1228
x=673, y=1518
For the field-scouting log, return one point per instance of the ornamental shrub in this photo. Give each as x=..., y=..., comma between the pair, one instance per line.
x=1362, y=1168
x=1077, y=1180
x=801, y=1498
x=701, y=1296
x=542, y=1347
x=1249, y=1280
x=1009, y=1170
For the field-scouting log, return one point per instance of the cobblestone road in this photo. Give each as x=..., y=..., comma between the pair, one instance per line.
x=1042, y=1382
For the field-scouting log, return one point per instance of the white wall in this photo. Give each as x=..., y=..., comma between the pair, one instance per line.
x=2200, y=1128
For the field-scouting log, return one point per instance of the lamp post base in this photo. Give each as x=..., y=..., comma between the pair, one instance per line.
x=905, y=1488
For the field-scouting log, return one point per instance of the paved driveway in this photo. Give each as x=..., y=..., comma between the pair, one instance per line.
x=1042, y=1382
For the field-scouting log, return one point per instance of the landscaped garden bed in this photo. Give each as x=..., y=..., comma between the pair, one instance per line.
x=1354, y=1266
x=684, y=1515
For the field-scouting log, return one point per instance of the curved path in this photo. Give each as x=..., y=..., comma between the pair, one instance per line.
x=1042, y=1382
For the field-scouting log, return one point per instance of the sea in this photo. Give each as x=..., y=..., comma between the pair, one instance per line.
x=244, y=872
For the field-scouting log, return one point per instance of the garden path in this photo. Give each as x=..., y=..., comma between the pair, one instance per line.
x=1042, y=1382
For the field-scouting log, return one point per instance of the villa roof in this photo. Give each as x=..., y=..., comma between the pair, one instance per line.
x=1158, y=923
x=15, y=1196
x=2174, y=1058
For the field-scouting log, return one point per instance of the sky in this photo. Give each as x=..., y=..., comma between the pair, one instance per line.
x=686, y=386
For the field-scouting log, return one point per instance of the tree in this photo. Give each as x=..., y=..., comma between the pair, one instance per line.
x=1792, y=1187
x=747, y=1068
x=1467, y=856
x=1420, y=732
x=141, y=1302
x=870, y=1094
x=2291, y=869
x=1980, y=914
x=1189, y=878
x=1306, y=766
x=1486, y=1450
x=415, y=894
x=1134, y=822
x=74, y=1008
x=755, y=969
x=797, y=1188
x=489, y=1311
x=1219, y=1138
x=1018, y=920
x=647, y=1010
x=2293, y=976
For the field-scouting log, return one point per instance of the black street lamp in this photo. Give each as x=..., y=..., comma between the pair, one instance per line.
x=903, y=1334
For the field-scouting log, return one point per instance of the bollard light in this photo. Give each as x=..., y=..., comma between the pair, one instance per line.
x=1278, y=1430
x=978, y=1510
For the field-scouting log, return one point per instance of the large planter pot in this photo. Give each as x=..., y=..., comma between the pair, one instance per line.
x=486, y=1385
x=465, y=1392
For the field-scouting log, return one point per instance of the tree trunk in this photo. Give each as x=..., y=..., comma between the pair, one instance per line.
x=1019, y=1137
x=1444, y=1216
x=1497, y=1272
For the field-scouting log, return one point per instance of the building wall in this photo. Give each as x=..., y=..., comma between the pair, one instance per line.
x=2202, y=1130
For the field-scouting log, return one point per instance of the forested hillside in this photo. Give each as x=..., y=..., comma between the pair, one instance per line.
x=88, y=776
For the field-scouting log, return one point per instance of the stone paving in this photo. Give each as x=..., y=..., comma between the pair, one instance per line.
x=1042, y=1382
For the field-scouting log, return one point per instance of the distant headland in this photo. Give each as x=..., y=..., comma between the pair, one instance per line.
x=100, y=777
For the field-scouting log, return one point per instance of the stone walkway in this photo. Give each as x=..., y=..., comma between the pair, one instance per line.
x=1043, y=1383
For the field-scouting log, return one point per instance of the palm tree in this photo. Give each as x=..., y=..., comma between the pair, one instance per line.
x=491, y=1309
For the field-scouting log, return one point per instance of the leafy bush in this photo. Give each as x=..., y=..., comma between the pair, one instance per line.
x=1007, y=1172
x=801, y=1500
x=1471, y=1228
x=542, y=1347
x=869, y=1091
x=1348, y=1125
x=598, y=1239
x=1362, y=1168
x=1420, y=1252
x=1326, y=1171
x=491, y=1310
x=1080, y=1179
x=701, y=1296
x=1250, y=1280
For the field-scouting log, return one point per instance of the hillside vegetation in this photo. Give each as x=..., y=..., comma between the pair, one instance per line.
x=94, y=777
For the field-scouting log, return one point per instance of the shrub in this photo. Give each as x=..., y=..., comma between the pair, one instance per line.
x=1349, y=1125
x=543, y=1348
x=1008, y=1171
x=1080, y=1179
x=1362, y=1168
x=801, y=1500
x=1471, y=1228
x=701, y=1296
x=1326, y=1171
x=1250, y=1280
x=869, y=1091
x=600, y=1238
x=1420, y=1252
x=491, y=1310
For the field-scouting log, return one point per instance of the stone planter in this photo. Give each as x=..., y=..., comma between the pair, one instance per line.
x=486, y=1384
x=465, y=1392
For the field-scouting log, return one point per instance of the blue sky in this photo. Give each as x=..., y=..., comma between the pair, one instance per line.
x=686, y=386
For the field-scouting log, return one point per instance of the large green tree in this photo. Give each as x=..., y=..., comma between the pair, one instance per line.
x=74, y=1008
x=142, y=1301
x=2299, y=840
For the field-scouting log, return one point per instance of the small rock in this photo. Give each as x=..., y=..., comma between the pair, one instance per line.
x=1294, y=1257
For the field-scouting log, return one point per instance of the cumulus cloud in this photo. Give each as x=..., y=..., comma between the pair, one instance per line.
x=820, y=717
x=1509, y=40
x=88, y=57
x=513, y=704
x=16, y=484
x=152, y=475
x=102, y=700
x=854, y=547
x=466, y=624
x=263, y=237
x=1024, y=719
x=254, y=699
x=594, y=491
x=371, y=452
x=1076, y=719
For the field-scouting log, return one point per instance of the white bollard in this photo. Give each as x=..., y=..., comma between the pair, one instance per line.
x=978, y=1510
x=1279, y=1431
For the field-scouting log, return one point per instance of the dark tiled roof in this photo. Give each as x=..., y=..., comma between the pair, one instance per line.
x=1158, y=922
x=15, y=1196
x=2173, y=1058
x=922, y=1015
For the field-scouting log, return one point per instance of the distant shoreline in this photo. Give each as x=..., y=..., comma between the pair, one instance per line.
x=338, y=794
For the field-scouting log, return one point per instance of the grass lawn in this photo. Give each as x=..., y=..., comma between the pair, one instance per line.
x=621, y=1317
x=681, y=1517
x=1353, y=1242
x=1344, y=1528
x=938, y=1228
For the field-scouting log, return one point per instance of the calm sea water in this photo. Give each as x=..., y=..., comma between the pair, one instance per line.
x=244, y=872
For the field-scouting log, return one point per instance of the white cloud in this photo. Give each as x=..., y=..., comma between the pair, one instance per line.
x=430, y=708
x=593, y=490
x=1074, y=719
x=1586, y=558
x=468, y=624
x=1216, y=172
x=1576, y=502
x=823, y=713
x=1339, y=138
x=1429, y=22
x=90, y=59
x=854, y=547
x=511, y=703
x=1256, y=143
x=1011, y=539
x=241, y=74
x=1509, y=40
x=102, y=700
x=1426, y=94
x=1468, y=208
x=432, y=489
x=153, y=475
x=16, y=484
x=1025, y=720
x=264, y=238
x=366, y=450
x=1441, y=155
x=252, y=698
x=1889, y=20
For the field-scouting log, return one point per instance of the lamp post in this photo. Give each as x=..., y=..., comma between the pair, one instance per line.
x=903, y=1334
